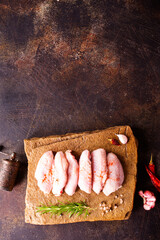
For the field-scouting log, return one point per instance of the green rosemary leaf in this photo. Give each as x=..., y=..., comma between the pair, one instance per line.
x=86, y=213
x=80, y=213
x=77, y=208
x=71, y=213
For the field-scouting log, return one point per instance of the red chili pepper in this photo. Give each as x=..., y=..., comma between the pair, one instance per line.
x=154, y=179
x=151, y=165
x=114, y=141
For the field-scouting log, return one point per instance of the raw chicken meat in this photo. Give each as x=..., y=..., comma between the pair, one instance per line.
x=85, y=172
x=73, y=172
x=60, y=168
x=63, y=172
x=115, y=174
x=43, y=172
x=99, y=169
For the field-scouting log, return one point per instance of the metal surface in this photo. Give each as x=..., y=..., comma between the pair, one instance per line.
x=70, y=66
x=8, y=174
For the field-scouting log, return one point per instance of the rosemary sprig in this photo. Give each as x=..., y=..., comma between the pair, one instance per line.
x=70, y=208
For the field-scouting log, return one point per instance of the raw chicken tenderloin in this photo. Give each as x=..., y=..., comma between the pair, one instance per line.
x=60, y=173
x=99, y=169
x=43, y=172
x=85, y=172
x=115, y=174
x=73, y=172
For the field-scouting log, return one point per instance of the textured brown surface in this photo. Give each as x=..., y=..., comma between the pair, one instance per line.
x=71, y=66
x=91, y=141
x=30, y=144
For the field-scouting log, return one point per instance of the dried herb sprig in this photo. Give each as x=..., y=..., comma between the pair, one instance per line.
x=70, y=208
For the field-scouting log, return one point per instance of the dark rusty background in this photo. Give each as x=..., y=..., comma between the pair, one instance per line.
x=70, y=66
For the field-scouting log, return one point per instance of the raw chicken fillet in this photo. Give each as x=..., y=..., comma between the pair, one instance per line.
x=60, y=173
x=115, y=174
x=73, y=173
x=99, y=169
x=43, y=172
x=85, y=172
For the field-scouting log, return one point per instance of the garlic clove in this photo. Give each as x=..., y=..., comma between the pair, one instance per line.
x=152, y=205
x=141, y=193
x=151, y=199
x=148, y=194
x=146, y=207
x=148, y=199
x=122, y=138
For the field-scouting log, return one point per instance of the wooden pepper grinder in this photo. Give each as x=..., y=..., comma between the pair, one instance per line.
x=8, y=172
